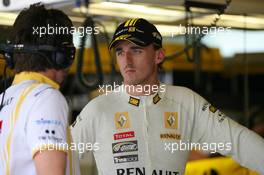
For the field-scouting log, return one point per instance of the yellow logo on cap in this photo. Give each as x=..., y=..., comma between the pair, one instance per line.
x=132, y=29
x=171, y=120
x=121, y=37
x=122, y=120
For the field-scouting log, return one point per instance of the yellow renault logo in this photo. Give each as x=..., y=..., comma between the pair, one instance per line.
x=122, y=120
x=171, y=120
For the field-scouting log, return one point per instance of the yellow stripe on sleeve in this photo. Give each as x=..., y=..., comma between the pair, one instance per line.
x=14, y=118
x=69, y=140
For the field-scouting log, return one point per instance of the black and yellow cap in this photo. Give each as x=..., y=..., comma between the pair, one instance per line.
x=138, y=31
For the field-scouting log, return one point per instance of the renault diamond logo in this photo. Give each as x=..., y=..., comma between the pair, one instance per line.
x=171, y=120
x=122, y=120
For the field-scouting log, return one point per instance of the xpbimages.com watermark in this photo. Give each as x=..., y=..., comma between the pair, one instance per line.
x=196, y=30
x=78, y=147
x=142, y=89
x=61, y=30
x=206, y=147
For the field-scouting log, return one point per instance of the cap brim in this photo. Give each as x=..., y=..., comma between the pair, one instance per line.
x=130, y=39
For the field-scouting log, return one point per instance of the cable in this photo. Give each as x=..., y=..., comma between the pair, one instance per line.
x=186, y=36
x=112, y=60
x=99, y=81
x=213, y=24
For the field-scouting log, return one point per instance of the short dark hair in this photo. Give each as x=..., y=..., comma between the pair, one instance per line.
x=34, y=17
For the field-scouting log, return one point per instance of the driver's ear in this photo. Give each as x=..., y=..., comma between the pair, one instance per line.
x=160, y=56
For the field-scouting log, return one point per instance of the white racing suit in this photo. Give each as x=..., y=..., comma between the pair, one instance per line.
x=152, y=135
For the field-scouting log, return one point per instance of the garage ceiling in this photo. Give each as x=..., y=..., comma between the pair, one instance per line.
x=237, y=6
x=161, y=12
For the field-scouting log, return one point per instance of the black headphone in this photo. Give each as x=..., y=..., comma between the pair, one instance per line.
x=60, y=57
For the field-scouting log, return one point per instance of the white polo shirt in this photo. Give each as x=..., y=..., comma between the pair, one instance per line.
x=34, y=118
x=151, y=135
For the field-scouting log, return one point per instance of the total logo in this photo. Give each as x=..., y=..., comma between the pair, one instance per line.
x=124, y=135
x=142, y=171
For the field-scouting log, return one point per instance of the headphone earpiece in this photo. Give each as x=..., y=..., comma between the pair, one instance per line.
x=61, y=57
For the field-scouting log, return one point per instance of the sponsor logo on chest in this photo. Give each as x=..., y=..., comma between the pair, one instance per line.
x=127, y=146
x=171, y=124
x=171, y=120
x=124, y=135
x=122, y=120
x=142, y=171
x=126, y=158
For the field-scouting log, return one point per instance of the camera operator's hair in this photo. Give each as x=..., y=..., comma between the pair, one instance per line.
x=25, y=32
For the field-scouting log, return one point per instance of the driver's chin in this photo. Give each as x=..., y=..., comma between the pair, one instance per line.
x=131, y=79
